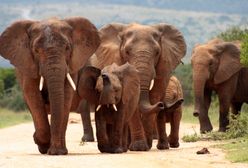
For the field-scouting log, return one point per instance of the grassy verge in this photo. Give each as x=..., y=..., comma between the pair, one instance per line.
x=235, y=140
x=236, y=149
x=188, y=117
x=9, y=118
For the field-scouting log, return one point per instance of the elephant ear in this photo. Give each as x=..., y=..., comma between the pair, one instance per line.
x=173, y=49
x=229, y=64
x=87, y=82
x=85, y=41
x=130, y=82
x=15, y=46
x=109, y=49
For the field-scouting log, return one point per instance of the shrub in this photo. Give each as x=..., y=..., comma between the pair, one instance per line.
x=13, y=99
x=244, y=51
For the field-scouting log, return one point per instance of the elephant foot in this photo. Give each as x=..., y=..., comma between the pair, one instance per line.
x=104, y=148
x=140, y=145
x=124, y=149
x=206, y=129
x=57, y=151
x=117, y=150
x=173, y=141
x=43, y=144
x=162, y=146
x=174, y=145
x=88, y=138
x=43, y=148
x=222, y=129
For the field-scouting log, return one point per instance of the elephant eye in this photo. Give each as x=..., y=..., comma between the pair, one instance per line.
x=211, y=63
x=155, y=36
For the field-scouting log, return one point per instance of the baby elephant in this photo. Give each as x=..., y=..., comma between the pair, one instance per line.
x=114, y=91
x=172, y=113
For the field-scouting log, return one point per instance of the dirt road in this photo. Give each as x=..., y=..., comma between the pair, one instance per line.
x=17, y=149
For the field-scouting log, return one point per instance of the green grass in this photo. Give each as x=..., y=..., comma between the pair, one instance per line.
x=10, y=118
x=188, y=117
x=236, y=149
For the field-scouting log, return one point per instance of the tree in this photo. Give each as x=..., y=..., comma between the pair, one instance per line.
x=238, y=34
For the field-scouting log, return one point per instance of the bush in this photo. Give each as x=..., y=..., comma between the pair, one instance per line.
x=233, y=34
x=238, y=34
x=7, y=76
x=237, y=128
x=244, y=51
x=13, y=99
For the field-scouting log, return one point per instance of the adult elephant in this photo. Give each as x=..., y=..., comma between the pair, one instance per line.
x=45, y=54
x=155, y=51
x=216, y=67
x=113, y=90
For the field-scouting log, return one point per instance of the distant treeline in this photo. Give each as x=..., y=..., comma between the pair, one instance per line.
x=11, y=95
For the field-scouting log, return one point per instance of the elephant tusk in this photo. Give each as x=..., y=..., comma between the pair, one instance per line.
x=151, y=85
x=98, y=107
x=41, y=83
x=114, y=106
x=71, y=81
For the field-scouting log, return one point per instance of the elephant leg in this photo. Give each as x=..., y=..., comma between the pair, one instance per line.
x=125, y=138
x=162, y=136
x=175, y=125
x=155, y=131
x=148, y=122
x=37, y=108
x=236, y=108
x=206, y=125
x=101, y=132
x=223, y=118
x=84, y=110
x=138, y=139
x=118, y=131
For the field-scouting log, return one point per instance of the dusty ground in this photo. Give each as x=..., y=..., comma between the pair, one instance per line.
x=17, y=149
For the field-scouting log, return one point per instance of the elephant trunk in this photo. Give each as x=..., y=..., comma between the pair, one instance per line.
x=199, y=86
x=55, y=74
x=146, y=72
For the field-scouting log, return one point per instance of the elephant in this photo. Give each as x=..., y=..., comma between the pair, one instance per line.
x=216, y=67
x=155, y=51
x=45, y=54
x=114, y=91
x=171, y=114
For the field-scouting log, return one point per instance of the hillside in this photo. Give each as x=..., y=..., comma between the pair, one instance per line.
x=199, y=20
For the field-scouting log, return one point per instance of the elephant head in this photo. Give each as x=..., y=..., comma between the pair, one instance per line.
x=213, y=63
x=51, y=49
x=110, y=86
x=154, y=50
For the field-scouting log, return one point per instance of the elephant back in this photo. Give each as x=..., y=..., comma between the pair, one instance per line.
x=173, y=93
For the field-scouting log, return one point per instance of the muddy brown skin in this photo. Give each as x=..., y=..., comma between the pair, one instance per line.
x=113, y=91
x=155, y=51
x=52, y=49
x=216, y=67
